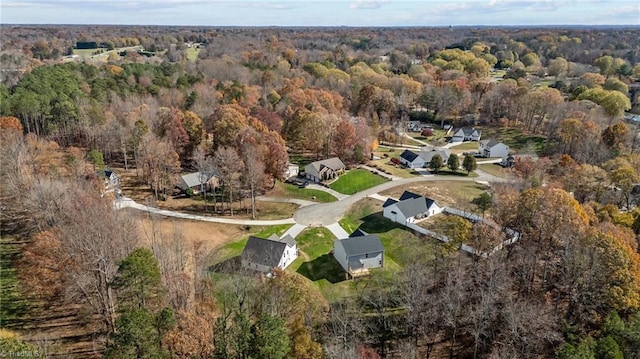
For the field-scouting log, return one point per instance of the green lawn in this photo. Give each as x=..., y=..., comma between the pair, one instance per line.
x=384, y=163
x=515, y=139
x=466, y=146
x=356, y=180
x=400, y=245
x=317, y=264
x=234, y=249
x=292, y=191
x=192, y=53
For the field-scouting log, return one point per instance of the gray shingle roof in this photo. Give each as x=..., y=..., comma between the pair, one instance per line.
x=266, y=252
x=193, y=179
x=490, y=142
x=412, y=204
x=354, y=246
x=428, y=155
x=333, y=163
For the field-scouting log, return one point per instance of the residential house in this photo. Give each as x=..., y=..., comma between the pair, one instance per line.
x=493, y=148
x=411, y=159
x=466, y=134
x=409, y=208
x=291, y=171
x=197, y=181
x=421, y=159
x=325, y=169
x=110, y=178
x=265, y=254
x=358, y=254
x=508, y=161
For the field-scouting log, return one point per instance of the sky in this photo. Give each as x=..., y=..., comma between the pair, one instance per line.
x=322, y=13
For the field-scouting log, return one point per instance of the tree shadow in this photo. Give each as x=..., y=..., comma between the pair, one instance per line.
x=323, y=267
x=377, y=223
x=229, y=266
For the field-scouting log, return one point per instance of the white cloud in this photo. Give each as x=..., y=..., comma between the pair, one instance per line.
x=367, y=4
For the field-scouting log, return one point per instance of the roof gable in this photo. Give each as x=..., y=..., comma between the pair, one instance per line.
x=491, y=143
x=408, y=155
x=193, y=179
x=389, y=202
x=407, y=195
x=354, y=246
x=411, y=204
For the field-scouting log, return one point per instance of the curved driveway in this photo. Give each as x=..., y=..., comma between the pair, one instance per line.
x=310, y=213
x=324, y=214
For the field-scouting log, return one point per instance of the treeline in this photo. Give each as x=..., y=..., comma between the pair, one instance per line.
x=569, y=287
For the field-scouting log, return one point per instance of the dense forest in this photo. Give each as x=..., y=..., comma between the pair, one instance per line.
x=81, y=279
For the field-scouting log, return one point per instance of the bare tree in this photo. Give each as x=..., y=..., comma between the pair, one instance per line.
x=229, y=165
x=254, y=174
x=96, y=237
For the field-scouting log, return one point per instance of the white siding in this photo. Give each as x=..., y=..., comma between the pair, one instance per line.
x=340, y=255
x=290, y=254
x=375, y=261
x=393, y=213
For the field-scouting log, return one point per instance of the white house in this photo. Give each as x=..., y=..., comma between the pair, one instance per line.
x=409, y=208
x=111, y=179
x=421, y=159
x=493, y=148
x=325, y=169
x=466, y=134
x=411, y=159
x=291, y=171
x=265, y=254
x=358, y=254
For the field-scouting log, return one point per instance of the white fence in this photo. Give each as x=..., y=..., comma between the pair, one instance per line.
x=513, y=235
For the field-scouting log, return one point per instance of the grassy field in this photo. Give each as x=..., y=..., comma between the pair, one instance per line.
x=457, y=194
x=517, y=140
x=400, y=245
x=264, y=210
x=495, y=169
x=356, y=180
x=12, y=302
x=391, y=168
x=317, y=264
x=292, y=191
x=465, y=147
x=235, y=248
x=192, y=53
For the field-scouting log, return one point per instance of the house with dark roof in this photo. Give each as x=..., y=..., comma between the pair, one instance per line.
x=493, y=148
x=325, y=169
x=110, y=178
x=410, y=208
x=466, y=134
x=265, y=254
x=197, y=181
x=358, y=254
x=421, y=159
